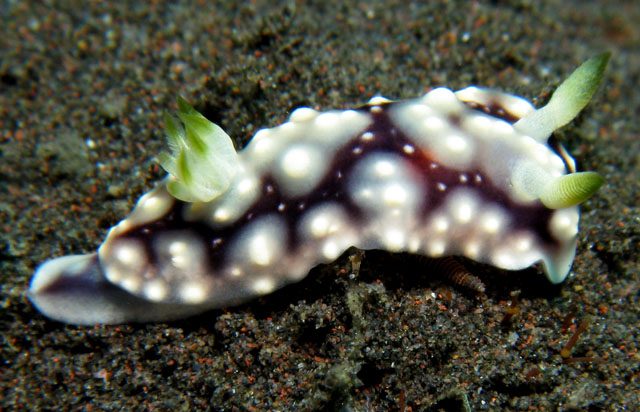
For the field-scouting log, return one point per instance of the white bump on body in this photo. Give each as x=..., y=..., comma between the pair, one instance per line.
x=564, y=223
x=193, y=292
x=123, y=258
x=331, y=250
x=155, y=290
x=264, y=285
x=493, y=220
x=443, y=100
x=440, y=223
x=378, y=100
x=303, y=114
x=260, y=243
x=517, y=250
x=297, y=162
x=300, y=169
x=472, y=248
x=478, y=125
x=326, y=228
x=436, y=247
x=261, y=251
x=323, y=220
x=462, y=205
x=383, y=183
x=180, y=253
x=181, y=257
x=150, y=207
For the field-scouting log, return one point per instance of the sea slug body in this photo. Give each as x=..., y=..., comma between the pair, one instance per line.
x=467, y=173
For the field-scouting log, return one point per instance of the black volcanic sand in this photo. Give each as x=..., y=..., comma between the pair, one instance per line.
x=83, y=87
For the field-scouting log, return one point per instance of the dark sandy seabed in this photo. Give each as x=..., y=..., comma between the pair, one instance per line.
x=83, y=87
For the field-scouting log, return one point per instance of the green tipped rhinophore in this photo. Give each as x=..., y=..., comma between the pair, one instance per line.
x=203, y=160
x=567, y=101
x=571, y=190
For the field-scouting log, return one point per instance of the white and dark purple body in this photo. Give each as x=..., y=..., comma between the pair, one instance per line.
x=468, y=173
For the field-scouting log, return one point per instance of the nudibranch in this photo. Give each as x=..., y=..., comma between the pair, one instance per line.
x=467, y=173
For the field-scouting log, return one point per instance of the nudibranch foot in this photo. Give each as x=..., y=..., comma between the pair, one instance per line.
x=468, y=173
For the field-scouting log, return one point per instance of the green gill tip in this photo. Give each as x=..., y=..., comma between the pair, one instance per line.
x=571, y=190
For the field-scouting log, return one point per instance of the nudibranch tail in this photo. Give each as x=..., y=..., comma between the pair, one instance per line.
x=204, y=161
x=73, y=289
x=567, y=101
